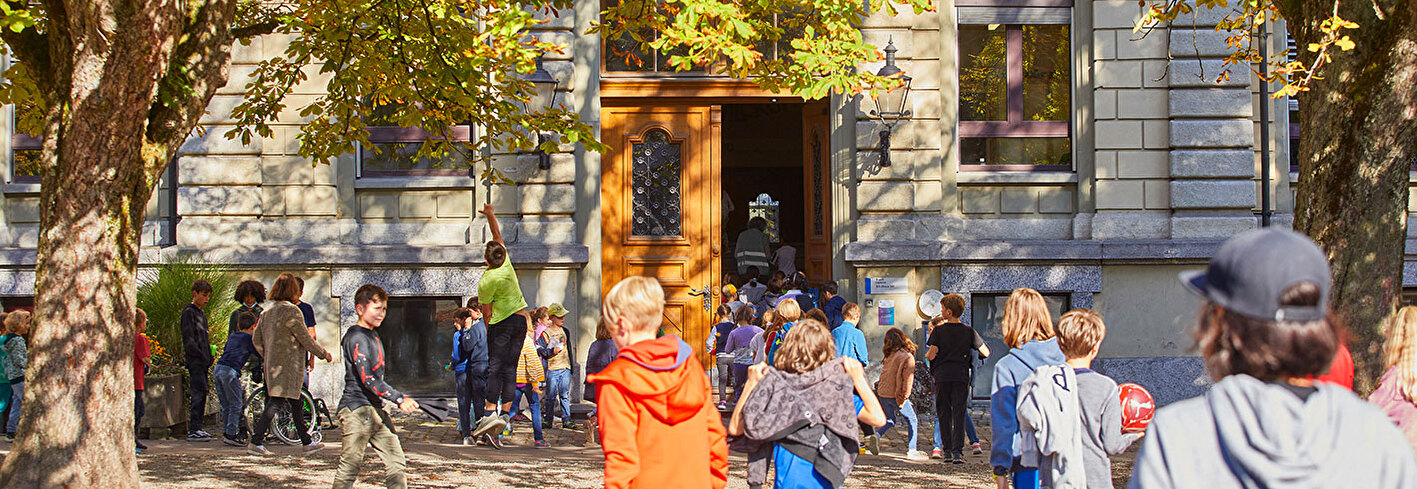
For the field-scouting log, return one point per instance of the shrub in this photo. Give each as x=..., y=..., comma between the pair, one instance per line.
x=165, y=290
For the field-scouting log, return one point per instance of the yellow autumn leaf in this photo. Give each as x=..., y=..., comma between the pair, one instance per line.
x=1315, y=47
x=1345, y=44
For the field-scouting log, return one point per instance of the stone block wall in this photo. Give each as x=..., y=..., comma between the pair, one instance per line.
x=1132, y=125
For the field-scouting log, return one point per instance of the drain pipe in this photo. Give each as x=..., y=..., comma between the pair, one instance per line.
x=1264, y=127
x=172, y=217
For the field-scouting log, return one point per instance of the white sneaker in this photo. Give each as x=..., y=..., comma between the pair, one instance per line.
x=917, y=456
x=467, y=441
x=490, y=424
x=258, y=450
x=314, y=447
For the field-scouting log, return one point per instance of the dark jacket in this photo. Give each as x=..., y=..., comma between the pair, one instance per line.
x=255, y=363
x=470, y=351
x=811, y=415
x=833, y=310
x=602, y=352
x=196, y=344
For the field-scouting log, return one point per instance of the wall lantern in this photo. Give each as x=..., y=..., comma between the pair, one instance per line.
x=543, y=97
x=890, y=104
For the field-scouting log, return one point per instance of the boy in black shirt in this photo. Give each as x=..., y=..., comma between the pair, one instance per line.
x=197, y=356
x=950, y=343
x=361, y=416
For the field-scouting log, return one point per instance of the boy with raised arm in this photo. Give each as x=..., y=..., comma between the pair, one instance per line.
x=503, y=308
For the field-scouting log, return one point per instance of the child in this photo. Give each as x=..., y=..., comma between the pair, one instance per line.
x=503, y=306
x=723, y=357
x=362, y=418
x=531, y=372
x=238, y=350
x=469, y=367
x=850, y=342
x=1397, y=391
x=897, y=379
x=1264, y=326
x=17, y=324
x=250, y=294
x=602, y=352
x=142, y=351
x=788, y=312
x=807, y=371
x=1080, y=334
x=1028, y=330
x=740, y=350
x=833, y=305
x=197, y=357
x=759, y=343
x=950, y=344
x=658, y=425
x=559, y=365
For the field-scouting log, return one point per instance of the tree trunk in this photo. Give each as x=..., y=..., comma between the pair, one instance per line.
x=1358, y=139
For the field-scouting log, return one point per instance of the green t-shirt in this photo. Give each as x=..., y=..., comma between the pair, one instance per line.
x=499, y=287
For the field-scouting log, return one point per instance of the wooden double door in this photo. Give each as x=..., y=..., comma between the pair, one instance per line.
x=661, y=213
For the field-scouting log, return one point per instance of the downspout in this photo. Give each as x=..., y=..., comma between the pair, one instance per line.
x=172, y=217
x=1264, y=126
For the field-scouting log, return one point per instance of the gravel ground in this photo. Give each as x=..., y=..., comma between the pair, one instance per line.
x=438, y=460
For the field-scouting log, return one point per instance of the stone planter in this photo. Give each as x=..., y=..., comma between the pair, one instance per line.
x=164, y=396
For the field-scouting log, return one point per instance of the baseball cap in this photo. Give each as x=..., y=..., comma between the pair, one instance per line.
x=557, y=310
x=1250, y=272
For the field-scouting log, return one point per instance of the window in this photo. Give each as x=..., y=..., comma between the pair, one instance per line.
x=418, y=342
x=627, y=55
x=1015, y=94
x=393, y=150
x=986, y=315
x=24, y=160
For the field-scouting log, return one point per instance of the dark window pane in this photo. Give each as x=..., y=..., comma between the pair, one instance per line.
x=26, y=164
x=403, y=157
x=416, y=347
x=1047, y=76
x=656, y=178
x=627, y=54
x=986, y=315
x=1015, y=151
x=983, y=84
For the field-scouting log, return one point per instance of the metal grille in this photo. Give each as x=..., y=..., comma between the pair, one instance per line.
x=657, y=178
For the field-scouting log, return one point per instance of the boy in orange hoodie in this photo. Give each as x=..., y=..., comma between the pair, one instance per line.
x=658, y=424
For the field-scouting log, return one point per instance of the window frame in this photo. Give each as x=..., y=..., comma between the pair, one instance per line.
x=708, y=72
x=435, y=332
x=22, y=142
x=989, y=294
x=1052, y=12
x=399, y=134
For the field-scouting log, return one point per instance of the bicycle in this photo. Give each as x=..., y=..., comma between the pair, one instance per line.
x=283, y=424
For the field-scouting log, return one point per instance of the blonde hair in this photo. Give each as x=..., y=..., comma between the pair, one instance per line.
x=15, y=320
x=1079, y=332
x=788, y=311
x=1400, y=350
x=640, y=300
x=807, y=346
x=1026, y=318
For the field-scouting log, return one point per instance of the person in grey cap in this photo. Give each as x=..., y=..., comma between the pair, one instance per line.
x=1264, y=329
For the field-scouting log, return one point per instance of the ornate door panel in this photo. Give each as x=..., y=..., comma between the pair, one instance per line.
x=659, y=192
x=816, y=172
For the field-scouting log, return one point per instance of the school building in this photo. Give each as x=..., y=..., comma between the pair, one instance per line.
x=1047, y=145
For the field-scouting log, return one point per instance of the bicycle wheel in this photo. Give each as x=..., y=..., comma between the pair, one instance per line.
x=283, y=425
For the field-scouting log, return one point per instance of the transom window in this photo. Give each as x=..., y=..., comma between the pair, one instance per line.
x=1015, y=90
x=628, y=55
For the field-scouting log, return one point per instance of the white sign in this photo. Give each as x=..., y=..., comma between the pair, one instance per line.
x=887, y=285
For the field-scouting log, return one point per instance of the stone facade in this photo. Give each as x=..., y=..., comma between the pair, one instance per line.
x=1163, y=167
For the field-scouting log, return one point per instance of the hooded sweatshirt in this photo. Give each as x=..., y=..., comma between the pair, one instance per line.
x=1003, y=400
x=1051, y=426
x=658, y=424
x=1246, y=433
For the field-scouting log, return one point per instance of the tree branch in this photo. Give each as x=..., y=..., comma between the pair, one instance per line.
x=253, y=30
x=198, y=63
x=32, y=48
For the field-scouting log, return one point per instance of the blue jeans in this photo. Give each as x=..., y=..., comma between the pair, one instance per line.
x=17, y=390
x=533, y=401
x=232, y=398
x=906, y=411
x=558, y=388
x=968, y=431
x=472, y=393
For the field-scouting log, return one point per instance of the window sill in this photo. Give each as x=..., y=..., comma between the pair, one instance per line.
x=414, y=182
x=21, y=188
x=1010, y=177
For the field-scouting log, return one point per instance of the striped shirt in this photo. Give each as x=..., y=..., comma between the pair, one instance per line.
x=529, y=367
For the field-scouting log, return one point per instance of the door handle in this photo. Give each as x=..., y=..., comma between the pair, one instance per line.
x=707, y=293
